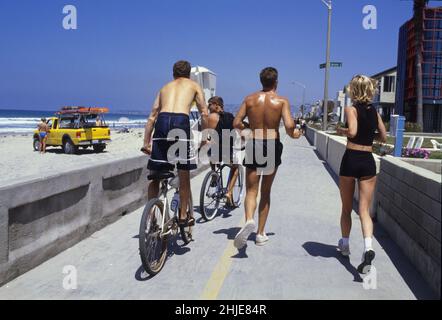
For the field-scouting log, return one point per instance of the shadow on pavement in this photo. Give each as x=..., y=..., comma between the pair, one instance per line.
x=231, y=233
x=222, y=212
x=316, y=249
x=80, y=151
x=242, y=254
x=141, y=275
x=409, y=273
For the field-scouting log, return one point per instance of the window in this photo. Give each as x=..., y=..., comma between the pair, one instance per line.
x=428, y=45
x=426, y=68
x=67, y=123
x=389, y=82
x=429, y=14
x=429, y=24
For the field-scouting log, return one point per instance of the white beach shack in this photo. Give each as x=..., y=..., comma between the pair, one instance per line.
x=207, y=80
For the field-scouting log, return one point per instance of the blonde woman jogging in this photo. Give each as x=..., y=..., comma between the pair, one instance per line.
x=364, y=125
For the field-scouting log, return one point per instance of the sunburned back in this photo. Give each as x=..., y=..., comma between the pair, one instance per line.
x=264, y=111
x=42, y=127
x=178, y=95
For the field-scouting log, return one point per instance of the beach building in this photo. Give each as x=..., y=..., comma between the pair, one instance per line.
x=431, y=50
x=206, y=79
x=385, y=98
x=342, y=100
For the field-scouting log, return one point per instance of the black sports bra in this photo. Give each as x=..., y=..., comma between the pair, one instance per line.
x=367, y=125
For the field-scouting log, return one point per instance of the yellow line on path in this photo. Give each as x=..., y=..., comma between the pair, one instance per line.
x=219, y=274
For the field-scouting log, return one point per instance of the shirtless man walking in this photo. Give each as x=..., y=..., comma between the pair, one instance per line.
x=264, y=110
x=171, y=111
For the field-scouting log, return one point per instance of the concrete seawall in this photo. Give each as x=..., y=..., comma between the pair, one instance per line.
x=407, y=203
x=40, y=218
x=409, y=207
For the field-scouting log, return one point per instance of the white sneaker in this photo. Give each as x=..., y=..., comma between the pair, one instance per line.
x=345, y=250
x=367, y=259
x=261, y=239
x=242, y=236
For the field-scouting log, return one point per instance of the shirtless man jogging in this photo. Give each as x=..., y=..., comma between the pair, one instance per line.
x=171, y=111
x=43, y=131
x=264, y=110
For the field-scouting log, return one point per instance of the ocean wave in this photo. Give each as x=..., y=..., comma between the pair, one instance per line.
x=16, y=130
x=19, y=124
x=6, y=121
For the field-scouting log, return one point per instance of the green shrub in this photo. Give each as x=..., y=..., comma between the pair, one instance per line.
x=409, y=127
x=412, y=127
x=436, y=156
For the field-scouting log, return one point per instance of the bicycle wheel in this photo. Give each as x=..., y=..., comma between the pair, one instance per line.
x=153, y=247
x=186, y=232
x=238, y=188
x=209, y=196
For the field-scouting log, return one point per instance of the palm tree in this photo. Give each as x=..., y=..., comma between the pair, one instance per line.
x=418, y=8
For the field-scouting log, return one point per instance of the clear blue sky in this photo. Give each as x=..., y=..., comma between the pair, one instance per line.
x=123, y=51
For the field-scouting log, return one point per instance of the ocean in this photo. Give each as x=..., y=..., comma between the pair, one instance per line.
x=25, y=121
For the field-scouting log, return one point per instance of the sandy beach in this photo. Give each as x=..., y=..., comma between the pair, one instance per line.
x=19, y=160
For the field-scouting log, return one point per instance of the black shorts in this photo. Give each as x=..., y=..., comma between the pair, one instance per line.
x=159, y=160
x=357, y=164
x=259, y=154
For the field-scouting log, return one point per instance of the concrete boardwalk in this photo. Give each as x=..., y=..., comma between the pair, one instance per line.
x=299, y=262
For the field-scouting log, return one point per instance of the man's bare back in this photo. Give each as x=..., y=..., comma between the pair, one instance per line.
x=264, y=110
x=178, y=95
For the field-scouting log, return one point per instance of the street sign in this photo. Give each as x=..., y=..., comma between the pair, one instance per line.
x=332, y=65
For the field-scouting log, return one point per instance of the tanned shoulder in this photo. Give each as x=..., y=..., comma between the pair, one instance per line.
x=251, y=97
x=284, y=99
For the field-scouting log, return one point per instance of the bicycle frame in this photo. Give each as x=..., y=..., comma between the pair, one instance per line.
x=219, y=170
x=167, y=220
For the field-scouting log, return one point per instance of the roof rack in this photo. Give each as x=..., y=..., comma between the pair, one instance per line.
x=82, y=110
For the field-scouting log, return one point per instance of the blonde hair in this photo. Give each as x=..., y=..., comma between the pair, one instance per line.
x=362, y=89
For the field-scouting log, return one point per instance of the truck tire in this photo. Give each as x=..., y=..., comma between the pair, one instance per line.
x=69, y=147
x=36, y=144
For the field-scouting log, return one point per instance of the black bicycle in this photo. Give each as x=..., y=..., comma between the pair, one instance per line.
x=160, y=221
x=214, y=191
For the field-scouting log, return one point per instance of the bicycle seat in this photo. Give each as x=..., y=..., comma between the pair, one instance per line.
x=161, y=175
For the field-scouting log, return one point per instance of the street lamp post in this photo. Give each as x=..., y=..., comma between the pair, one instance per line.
x=304, y=87
x=328, y=3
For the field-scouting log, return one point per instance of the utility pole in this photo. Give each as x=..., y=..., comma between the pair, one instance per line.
x=328, y=3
